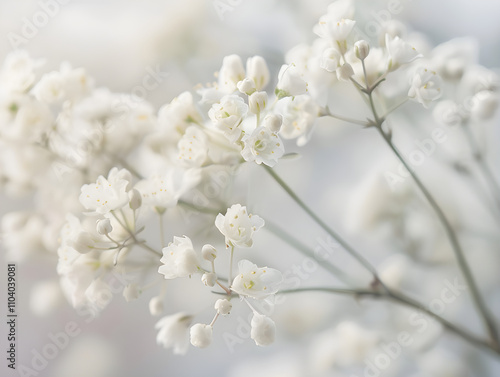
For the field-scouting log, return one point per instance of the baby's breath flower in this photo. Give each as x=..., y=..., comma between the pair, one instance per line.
x=256, y=282
x=201, y=335
x=263, y=146
x=263, y=330
x=238, y=226
x=179, y=259
x=425, y=86
x=173, y=332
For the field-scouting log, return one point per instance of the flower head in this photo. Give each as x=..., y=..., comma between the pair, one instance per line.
x=290, y=84
x=263, y=330
x=107, y=194
x=227, y=116
x=201, y=335
x=256, y=282
x=179, y=259
x=400, y=52
x=238, y=226
x=425, y=86
x=173, y=332
x=263, y=146
x=258, y=72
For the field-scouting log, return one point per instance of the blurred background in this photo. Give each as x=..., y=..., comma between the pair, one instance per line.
x=118, y=43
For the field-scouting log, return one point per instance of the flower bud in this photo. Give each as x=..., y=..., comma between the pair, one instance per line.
x=201, y=335
x=290, y=82
x=131, y=292
x=258, y=71
x=223, y=306
x=83, y=243
x=156, y=306
x=208, y=252
x=104, y=226
x=257, y=102
x=246, y=86
x=345, y=72
x=273, y=122
x=484, y=104
x=135, y=199
x=209, y=279
x=362, y=49
x=263, y=330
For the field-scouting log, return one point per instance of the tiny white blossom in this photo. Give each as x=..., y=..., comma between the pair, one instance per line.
x=208, y=252
x=156, y=305
x=256, y=282
x=223, y=306
x=193, y=147
x=201, y=335
x=400, y=52
x=290, y=83
x=344, y=72
x=336, y=31
x=425, y=86
x=362, y=49
x=238, y=226
x=179, y=114
x=263, y=330
x=227, y=116
x=484, y=104
x=330, y=60
x=231, y=72
x=50, y=88
x=299, y=118
x=263, y=146
x=258, y=71
x=179, y=259
x=209, y=279
x=131, y=292
x=173, y=332
x=246, y=86
x=135, y=199
x=273, y=122
x=257, y=102
x=107, y=194
x=103, y=226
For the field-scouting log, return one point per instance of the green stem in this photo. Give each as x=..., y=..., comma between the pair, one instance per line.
x=325, y=227
x=459, y=254
x=482, y=164
x=407, y=301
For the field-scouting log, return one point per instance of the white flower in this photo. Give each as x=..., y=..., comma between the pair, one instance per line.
x=257, y=102
x=201, y=335
x=179, y=114
x=299, y=118
x=336, y=31
x=209, y=279
x=83, y=242
x=362, y=49
x=135, y=199
x=263, y=146
x=156, y=305
x=238, y=226
x=290, y=84
x=18, y=71
x=103, y=226
x=400, y=52
x=246, y=86
x=344, y=72
x=484, y=104
x=223, y=306
x=256, y=282
x=174, y=332
x=425, y=86
x=193, y=147
x=231, y=73
x=50, y=88
x=273, y=122
x=227, y=116
x=107, y=194
x=263, y=330
x=208, y=252
x=330, y=60
x=131, y=292
x=163, y=191
x=179, y=259
x=258, y=71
